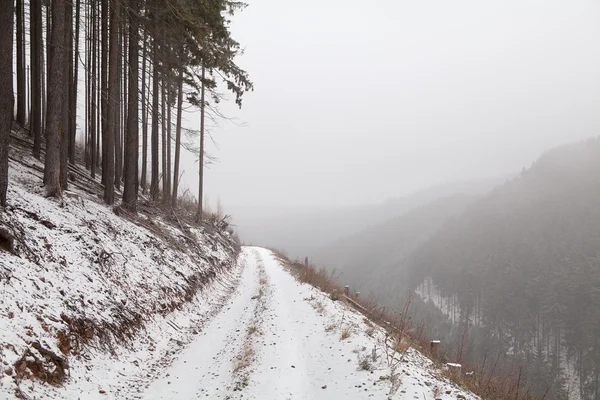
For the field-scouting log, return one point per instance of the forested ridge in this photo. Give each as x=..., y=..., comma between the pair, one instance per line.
x=367, y=259
x=521, y=268
x=142, y=61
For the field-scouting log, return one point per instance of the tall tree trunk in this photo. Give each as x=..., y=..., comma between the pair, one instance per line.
x=177, y=139
x=43, y=68
x=93, y=87
x=35, y=41
x=112, y=105
x=165, y=189
x=88, y=62
x=201, y=160
x=68, y=66
x=125, y=102
x=74, y=85
x=20, y=62
x=118, y=111
x=130, y=190
x=99, y=120
x=144, y=177
x=104, y=86
x=155, y=94
x=6, y=90
x=56, y=101
x=168, y=176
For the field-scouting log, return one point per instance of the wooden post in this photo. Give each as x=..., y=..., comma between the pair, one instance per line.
x=347, y=290
x=306, y=262
x=435, y=348
x=357, y=294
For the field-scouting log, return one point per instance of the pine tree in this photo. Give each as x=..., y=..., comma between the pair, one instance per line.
x=55, y=129
x=6, y=90
x=110, y=128
x=20, y=62
x=130, y=172
x=37, y=70
x=177, y=139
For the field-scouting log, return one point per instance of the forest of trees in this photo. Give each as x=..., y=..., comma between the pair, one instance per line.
x=520, y=271
x=141, y=60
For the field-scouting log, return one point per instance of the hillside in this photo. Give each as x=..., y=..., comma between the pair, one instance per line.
x=522, y=265
x=86, y=293
x=294, y=229
x=98, y=303
x=367, y=259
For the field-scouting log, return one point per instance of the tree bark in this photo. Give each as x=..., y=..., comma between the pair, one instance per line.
x=88, y=75
x=56, y=92
x=168, y=176
x=20, y=62
x=6, y=90
x=155, y=94
x=165, y=189
x=130, y=190
x=144, y=177
x=124, y=102
x=43, y=71
x=74, y=85
x=93, y=87
x=110, y=128
x=119, y=108
x=104, y=86
x=35, y=41
x=177, y=139
x=68, y=66
x=199, y=212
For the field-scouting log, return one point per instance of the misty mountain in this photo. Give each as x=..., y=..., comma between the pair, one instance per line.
x=302, y=232
x=367, y=258
x=523, y=265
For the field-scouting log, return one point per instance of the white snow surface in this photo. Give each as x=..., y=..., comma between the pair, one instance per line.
x=252, y=332
x=78, y=260
x=280, y=339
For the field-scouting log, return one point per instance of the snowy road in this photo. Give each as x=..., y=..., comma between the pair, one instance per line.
x=278, y=339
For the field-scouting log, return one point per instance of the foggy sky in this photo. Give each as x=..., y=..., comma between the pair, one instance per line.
x=359, y=101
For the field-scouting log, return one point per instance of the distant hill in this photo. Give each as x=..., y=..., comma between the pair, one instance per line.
x=524, y=264
x=367, y=258
x=302, y=232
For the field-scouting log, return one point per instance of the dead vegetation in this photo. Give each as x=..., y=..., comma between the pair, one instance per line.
x=72, y=329
x=244, y=359
x=41, y=364
x=400, y=336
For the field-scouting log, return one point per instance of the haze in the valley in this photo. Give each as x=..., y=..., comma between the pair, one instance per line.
x=358, y=102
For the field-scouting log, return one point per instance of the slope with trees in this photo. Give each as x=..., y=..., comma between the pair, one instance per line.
x=185, y=48
x=373, y=259
x=521, y=268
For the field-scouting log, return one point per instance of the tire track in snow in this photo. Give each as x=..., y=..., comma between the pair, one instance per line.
x=204, y=368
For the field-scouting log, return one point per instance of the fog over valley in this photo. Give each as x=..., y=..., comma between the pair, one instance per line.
x=324, y=199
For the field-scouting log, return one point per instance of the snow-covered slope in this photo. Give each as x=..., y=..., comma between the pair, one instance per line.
x=281, y=339
x=91, y=299
x=99, y=306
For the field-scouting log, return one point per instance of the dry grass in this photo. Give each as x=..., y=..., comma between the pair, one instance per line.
x=318, y=306
x=244, y=359
x=365, y=362
x=498, y=386
x=346, y=332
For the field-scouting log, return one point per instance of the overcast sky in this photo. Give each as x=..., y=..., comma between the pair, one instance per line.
x=359, y=101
